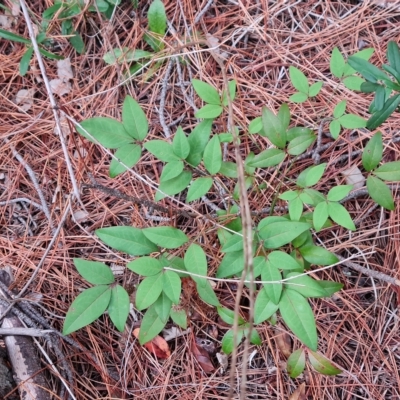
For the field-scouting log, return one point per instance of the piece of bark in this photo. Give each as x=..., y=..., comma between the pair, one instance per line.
x=28, y=374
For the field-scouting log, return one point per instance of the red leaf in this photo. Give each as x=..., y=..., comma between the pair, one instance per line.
x=202, y=357
x=158, y=346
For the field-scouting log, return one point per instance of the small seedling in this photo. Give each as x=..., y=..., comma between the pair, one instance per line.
x=284, y=246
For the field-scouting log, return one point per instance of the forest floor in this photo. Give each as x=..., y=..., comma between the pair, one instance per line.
x=358, y=328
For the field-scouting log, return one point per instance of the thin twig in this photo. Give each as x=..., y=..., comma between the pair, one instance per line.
x=163, y=95
x=52, y=100
x=36, y=185
x=247, y=246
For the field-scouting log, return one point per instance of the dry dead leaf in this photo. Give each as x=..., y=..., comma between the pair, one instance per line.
x=24, y=98
x=15, y=8
x=354, y=177
x=64, y=70
x=5, y=21
x=284, y=343
x=299, y=393
x=174, y=332
x=223, y=362
x=158, y=346
x=59, y=87
x=80, y=216
x=202, y=357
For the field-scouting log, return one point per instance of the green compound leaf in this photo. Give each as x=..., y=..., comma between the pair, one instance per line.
x=254, y=337
x=366, y=69
x=305, y=285
x=304, y=238
x=231, y=264
x=151, y=326
x=330, y=287
x=94, y=272
x=317, y=255
x=125, y=55
x=179, y=317
x=225, y=137
x=163, y=307
x=281, y=260
x=380, y=193
x=334, y=128
x=393, y=55
x=320, y=215
x=180, y=144
x=228, y=169
x=372, y=154
x=271, y=274
x=381, y=116
x=118, y=309
x=322, y=364
x=297, y=131
x=232, y=93
x=267, y=158
x=171, y=170
x=206, y=92
x=148, y=291
x=264, y=308
x=25, y=60
x=315, y=88
x=273, y=128
x=338, y=193
x=166, y=236
x=129, y=154
x=212, y=157
x=289, y=195
x=174, y=186
x=13, y=37
x=295, y=209
x=298, y=316
x=228, y=316
x=353, y=82
x=296, y=363
x=233, y=244
x=256, y=126
x=196, y=263
x=340, y=215
x=198, y=188
x=134, y=119
x=86, y=308
x=311, y=175
x=146, y=266
x=107, y=131
x=337, y=63
x=299, y=80
x=300, y=144
x=77, y=42
x=209, y=111
x=207, y=294
x=172, y=286
x=339, y=109
x=284, y=115
x=389, y=171
x=162, y=150
x=198, y=140
x=127, y=239
x=298, y=97
x=352, y=121
x=50, y=55
x=157, y=17
x=364, y=54
x=278, y=234
x=228, y=340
